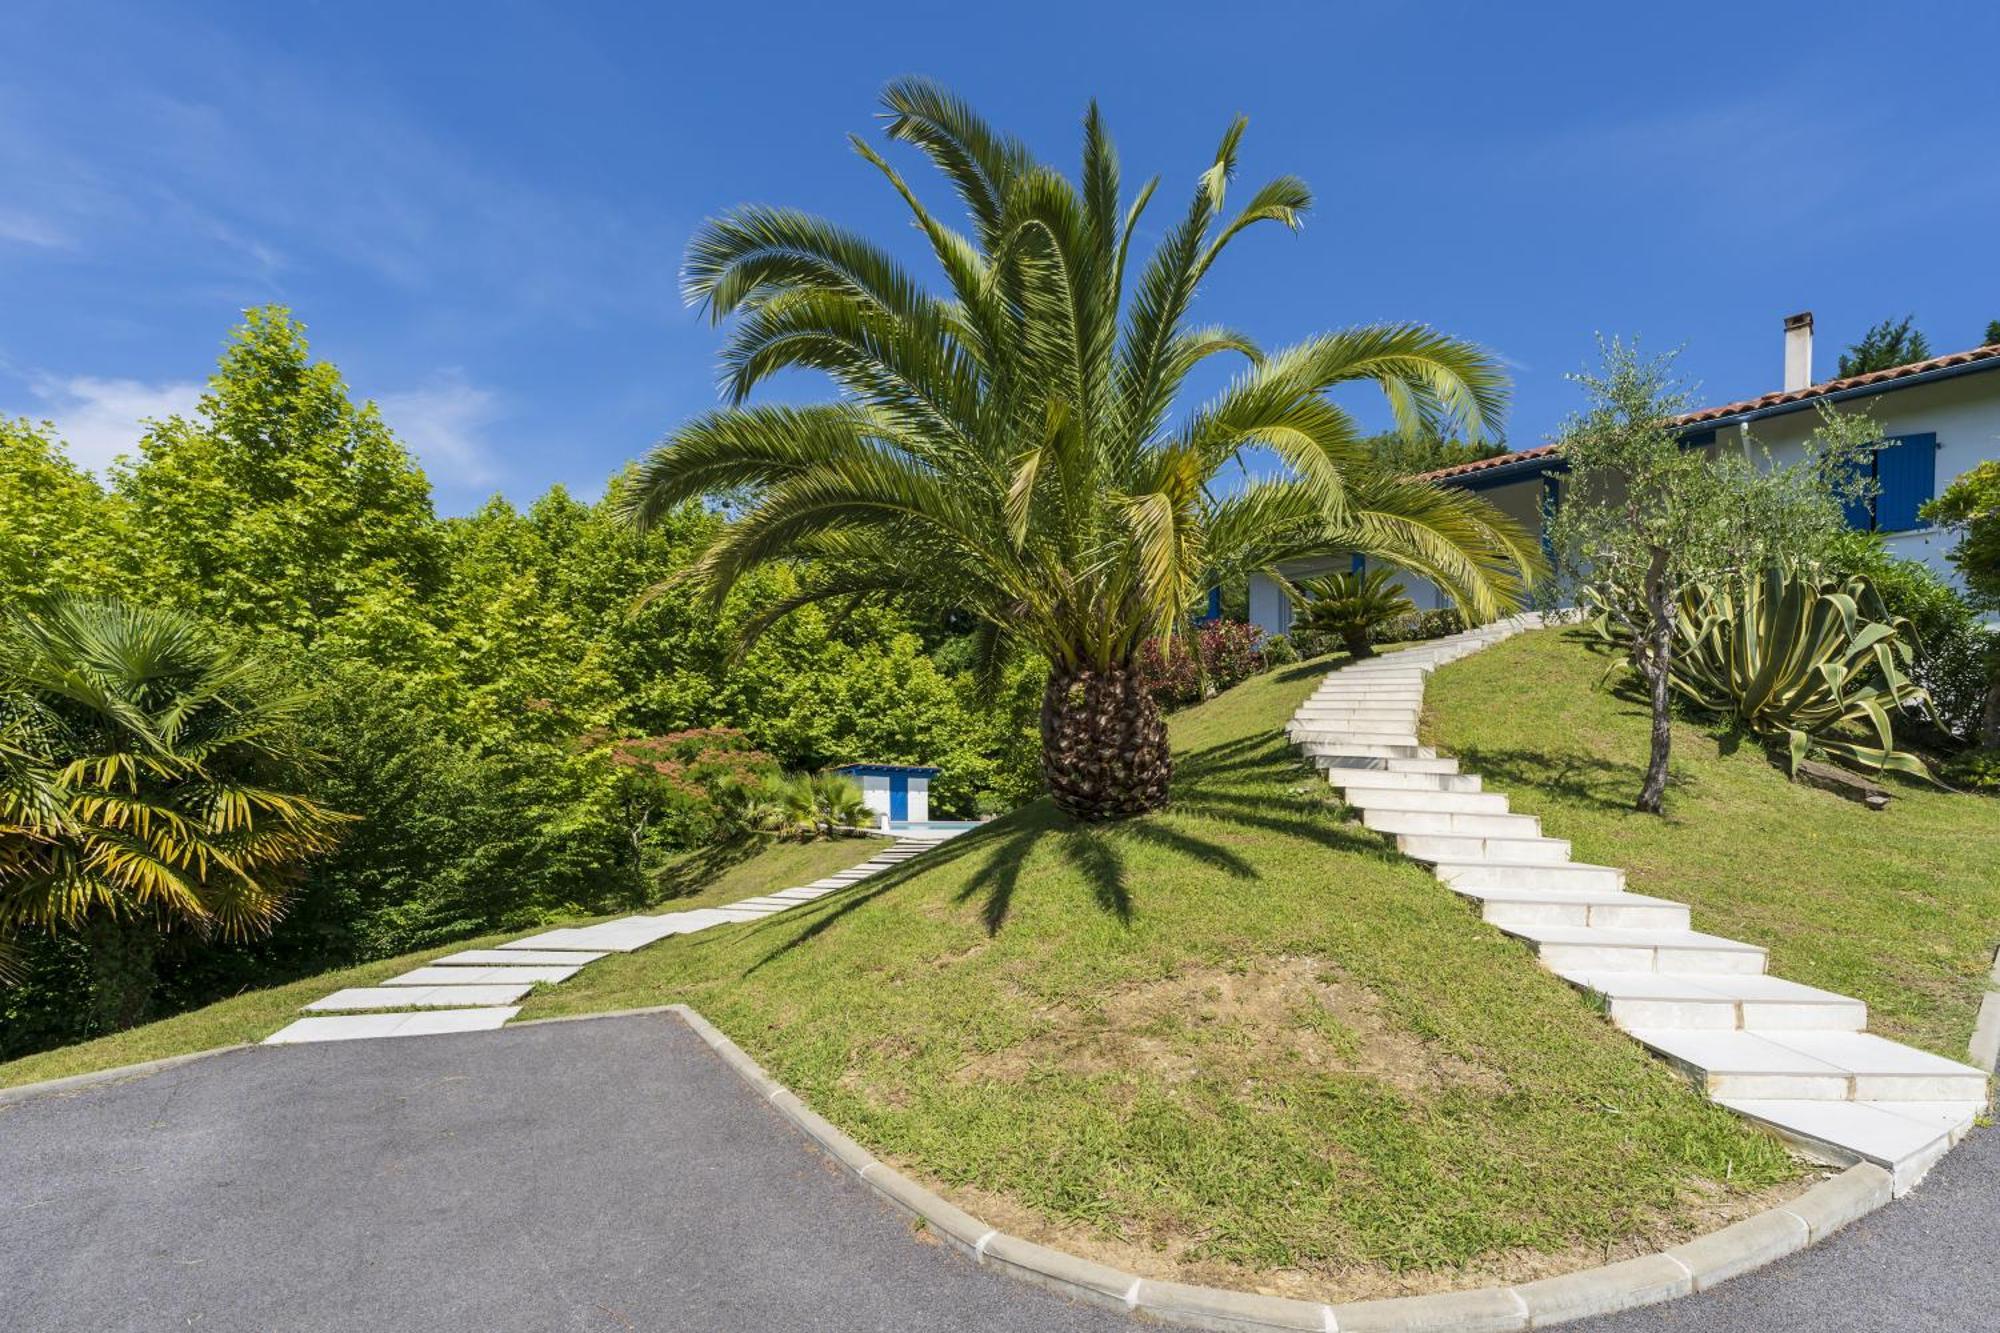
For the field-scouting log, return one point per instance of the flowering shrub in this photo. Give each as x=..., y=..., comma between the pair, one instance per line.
x=680, y=789
x=1201, y=664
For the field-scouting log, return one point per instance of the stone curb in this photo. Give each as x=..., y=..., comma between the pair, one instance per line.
x=1986, y=1031
x=55, y=1086
x=1695, y=1266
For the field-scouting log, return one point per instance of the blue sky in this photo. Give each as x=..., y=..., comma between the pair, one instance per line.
x=480, y=209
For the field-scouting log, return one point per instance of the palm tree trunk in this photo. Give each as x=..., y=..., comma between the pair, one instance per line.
x=1104, y=744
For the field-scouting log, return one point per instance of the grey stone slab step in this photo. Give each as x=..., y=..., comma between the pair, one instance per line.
x=354, y=1027
x=1454, y=822
x=1747, y=1001
x=1567, y=949
x=481, y=976
x=1526, y=875
x=1610, y=910
x=1903, y=1138
x=1813, y=1066
x=358, y=998
x=1376, y=763
x=1448, y=847
x=514, y=958
x=1363, y=796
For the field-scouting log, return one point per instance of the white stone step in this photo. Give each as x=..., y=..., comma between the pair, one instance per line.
x=1432, y=764
x=1610, y=910
x=1346, y=749
x=356, y=998
x=481, y=976
x=1345, y=736
x=1814, y=1066
x=1745, y=1001
x=514, y=958
x=1447, y=847
x=355, y=1027
x=1568, y=949
x=1395, y=779
x=1453, y=822
x=1363, y=796
x=1573, y=875
x=1903, y=1138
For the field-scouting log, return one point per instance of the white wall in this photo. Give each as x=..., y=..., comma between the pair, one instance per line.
x=1964, y=412
x=875, y=795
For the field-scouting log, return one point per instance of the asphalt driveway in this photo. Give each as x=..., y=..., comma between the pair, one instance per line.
x=607, y=1175
x=613, y=1174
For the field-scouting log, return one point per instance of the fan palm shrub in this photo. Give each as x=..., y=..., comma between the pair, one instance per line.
x=1354, y=606
x=1016, y=450
x=150, y=784
x=803, y=807
x=1802, y=660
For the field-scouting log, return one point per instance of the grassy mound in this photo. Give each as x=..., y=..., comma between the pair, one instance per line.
x=1900, y=908
x=705, y=879
x=1239, y=1041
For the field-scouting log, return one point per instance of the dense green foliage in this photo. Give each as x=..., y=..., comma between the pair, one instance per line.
x=1956, y=656
x=1354, y=607
x=1893, y=342
x=1804, y=661
x=1408, y=455
x=150, y=776
x=1016, y=451
x=477, y=688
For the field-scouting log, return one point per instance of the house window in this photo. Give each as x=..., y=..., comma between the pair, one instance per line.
x=1904, y=469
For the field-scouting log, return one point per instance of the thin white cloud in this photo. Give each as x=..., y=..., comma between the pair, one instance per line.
x=27, y=229
x=103, y=418
x=444, y=424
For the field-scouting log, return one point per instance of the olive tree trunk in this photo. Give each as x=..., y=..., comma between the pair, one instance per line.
x=1104, y=745
x=1656, y=664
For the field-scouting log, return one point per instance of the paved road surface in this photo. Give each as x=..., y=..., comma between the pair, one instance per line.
x=614, y=1175
x=605, y=1175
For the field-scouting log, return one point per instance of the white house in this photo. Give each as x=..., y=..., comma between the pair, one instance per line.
x=1940, y=418
x=897, y=793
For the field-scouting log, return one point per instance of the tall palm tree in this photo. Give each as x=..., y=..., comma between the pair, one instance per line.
x=146, y=775
x=1013, y=449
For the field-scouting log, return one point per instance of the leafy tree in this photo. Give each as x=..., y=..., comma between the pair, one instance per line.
x=1971, y=507
x=59, y=531
x=1644, y=520
x=154, y=773
x=1012, y=451
x=1411, y=455
x=1992, y=332
x=280, y=503
x=1891, y=343
x=1354, y=606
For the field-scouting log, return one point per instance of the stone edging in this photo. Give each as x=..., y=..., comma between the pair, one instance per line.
x=1986, y=1032
x=1696, y=1266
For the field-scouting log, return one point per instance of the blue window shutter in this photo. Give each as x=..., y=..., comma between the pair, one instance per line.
x=1860, y=510
x=1906, y=471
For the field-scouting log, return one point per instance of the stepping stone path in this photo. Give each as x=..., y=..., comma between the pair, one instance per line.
x=479, y=988
x=1787, y=1056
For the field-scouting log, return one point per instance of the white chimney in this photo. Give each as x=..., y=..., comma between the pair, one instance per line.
x=1798, y=350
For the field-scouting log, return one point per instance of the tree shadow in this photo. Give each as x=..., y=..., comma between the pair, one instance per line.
x=691, y=872
x=1585, y=779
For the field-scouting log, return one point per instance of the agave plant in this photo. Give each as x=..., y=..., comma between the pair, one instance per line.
x=145, y=768
x=1813, y=661
x=1355, y=605
x=1014, y=449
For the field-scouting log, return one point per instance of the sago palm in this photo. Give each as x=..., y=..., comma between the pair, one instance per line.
x=145, y=775
x=1015, y=449
x=1353, y=606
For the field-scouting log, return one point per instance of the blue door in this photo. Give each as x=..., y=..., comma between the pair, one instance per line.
x=899, y=796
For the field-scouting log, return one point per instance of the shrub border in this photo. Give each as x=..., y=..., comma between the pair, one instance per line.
x=1695, y=1266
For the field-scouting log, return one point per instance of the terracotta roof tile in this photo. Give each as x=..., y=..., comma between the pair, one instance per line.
x=1990, y=352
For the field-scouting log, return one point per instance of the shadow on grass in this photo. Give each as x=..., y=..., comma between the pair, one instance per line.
x=689, y=874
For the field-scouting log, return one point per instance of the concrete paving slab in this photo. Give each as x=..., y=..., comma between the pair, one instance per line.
x=481, y=976
x=508, y=957
x=364, y=1027
x=356, y=998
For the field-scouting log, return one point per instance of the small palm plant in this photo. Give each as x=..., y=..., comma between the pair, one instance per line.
x=1015, y=450
x=147, y=783
x=803, y=807
x=1353, y=606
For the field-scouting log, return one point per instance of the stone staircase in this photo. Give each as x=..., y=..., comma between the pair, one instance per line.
x=1790, y=1057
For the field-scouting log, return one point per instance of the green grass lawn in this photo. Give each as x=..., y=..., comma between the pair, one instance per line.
x=696, y=881
x=1238, y=1041
x=1900, y=908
